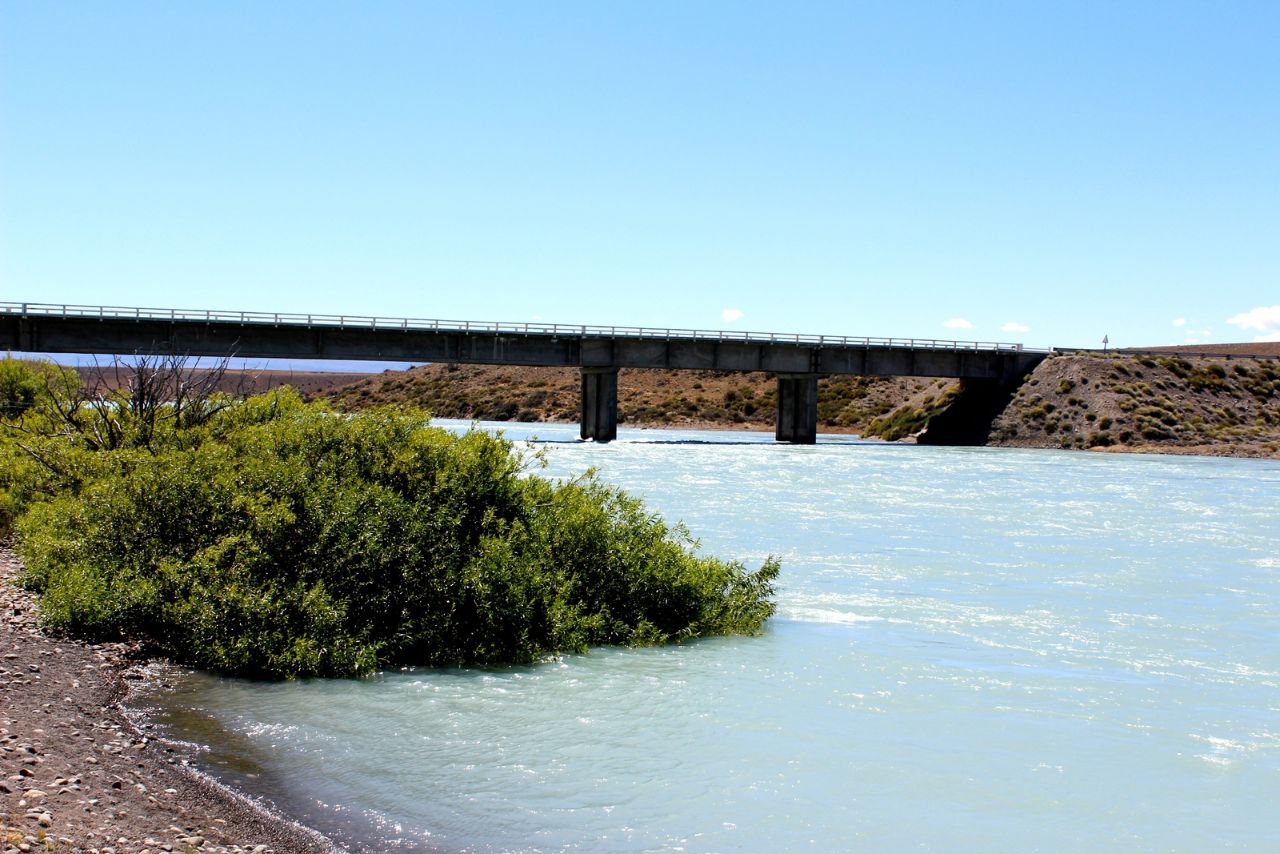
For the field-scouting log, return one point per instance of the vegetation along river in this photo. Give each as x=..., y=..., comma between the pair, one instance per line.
x=974, y=649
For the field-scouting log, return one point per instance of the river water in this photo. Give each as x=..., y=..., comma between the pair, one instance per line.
x=975, y=649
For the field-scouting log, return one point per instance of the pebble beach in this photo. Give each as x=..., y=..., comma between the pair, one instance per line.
x=76, y=774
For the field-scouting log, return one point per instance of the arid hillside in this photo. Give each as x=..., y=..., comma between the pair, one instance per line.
x=1172, y=403
x=1158, y=403
x=233, y=381
x=646, y=398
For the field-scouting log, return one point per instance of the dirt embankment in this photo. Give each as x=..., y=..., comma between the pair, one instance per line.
x=1172, y=404
x=646, y=397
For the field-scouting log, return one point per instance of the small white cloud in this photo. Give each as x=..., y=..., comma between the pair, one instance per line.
x=1180, y=321
x=1015, y=326
x=1265, y=320
x=729, y=315
x=957, y=323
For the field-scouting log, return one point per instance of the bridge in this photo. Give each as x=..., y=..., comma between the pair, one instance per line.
x=598, y=352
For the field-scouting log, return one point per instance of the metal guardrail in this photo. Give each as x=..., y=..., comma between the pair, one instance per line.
x=1164, y=352
x=342, y=321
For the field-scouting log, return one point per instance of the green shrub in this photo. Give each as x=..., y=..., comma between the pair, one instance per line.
x=1041, y=410
x=24, y=381
x=28, y=391
x=1157, y=413
x=1211, y=377
x=908, y=420
x=282, y=540
x=1178, y=366
x=1099, y=439
x=1132, y=389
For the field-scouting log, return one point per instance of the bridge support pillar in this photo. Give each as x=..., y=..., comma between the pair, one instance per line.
x=797, y=409
x=600, y=404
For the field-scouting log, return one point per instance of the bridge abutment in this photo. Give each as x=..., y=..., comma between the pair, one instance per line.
x=797, y=409
x=599, y=404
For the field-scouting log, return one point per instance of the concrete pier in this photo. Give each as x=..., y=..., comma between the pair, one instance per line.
x=599, y=404
x=797, y=409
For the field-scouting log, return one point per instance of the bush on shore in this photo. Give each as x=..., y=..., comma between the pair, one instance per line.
x=277, y=539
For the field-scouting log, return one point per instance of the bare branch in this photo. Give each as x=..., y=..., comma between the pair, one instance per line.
x=35, y=455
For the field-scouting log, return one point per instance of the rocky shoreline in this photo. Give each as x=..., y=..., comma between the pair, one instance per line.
x=77, y=775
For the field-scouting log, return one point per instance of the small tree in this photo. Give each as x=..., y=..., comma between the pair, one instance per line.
x=53, y=421
x=138, y=401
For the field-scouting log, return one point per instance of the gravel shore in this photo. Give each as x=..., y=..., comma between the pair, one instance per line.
x=76, y=775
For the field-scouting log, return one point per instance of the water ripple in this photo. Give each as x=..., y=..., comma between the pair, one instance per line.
x=975, y=648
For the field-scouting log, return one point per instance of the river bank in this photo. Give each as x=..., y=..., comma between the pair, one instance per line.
x=77, y=775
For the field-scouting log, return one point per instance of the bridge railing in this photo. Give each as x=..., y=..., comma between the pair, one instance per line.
x=346, y=321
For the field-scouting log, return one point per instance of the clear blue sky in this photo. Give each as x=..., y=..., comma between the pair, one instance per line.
x=1018, y=171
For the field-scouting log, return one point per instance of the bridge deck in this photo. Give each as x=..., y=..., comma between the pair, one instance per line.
x=599, y=351
x=43, y=327
x=404, y=324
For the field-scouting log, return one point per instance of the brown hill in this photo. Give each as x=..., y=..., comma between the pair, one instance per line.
x=1156, y=403
x=246, y=381
x=1147, y=403
x=646, y=397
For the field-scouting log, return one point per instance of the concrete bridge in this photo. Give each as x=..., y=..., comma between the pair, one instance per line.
x=598, y=351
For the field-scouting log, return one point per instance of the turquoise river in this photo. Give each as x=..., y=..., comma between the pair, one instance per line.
x=975, y=650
